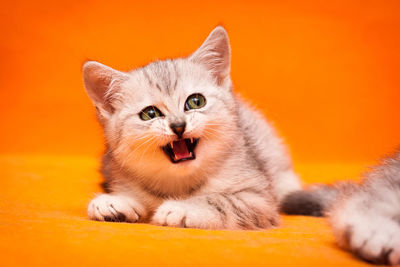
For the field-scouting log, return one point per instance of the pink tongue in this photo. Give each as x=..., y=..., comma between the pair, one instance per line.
x=180, y=149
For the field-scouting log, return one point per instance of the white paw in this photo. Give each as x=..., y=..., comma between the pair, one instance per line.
x=113, y=208
x=187, y=214
x=376, y=240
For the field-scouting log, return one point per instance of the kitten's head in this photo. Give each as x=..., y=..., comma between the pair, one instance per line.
x=172, y=117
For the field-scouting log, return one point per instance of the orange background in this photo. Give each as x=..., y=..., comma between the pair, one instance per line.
x=326, y=73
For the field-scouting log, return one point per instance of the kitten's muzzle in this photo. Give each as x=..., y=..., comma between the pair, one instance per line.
x=181, y=150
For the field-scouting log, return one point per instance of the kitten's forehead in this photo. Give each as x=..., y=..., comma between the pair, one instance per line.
x=166, y=75
x=166, y=82
x=163, y=75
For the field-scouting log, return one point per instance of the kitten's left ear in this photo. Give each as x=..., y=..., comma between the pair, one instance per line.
x=215, y=54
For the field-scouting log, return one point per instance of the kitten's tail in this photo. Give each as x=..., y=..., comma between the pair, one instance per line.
x=315, y=200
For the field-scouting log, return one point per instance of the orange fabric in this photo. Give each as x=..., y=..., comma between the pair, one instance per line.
x=43, y=222
x=325, y=73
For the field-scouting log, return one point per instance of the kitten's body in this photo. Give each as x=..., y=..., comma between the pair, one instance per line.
x=240, y=171
x=366, y=217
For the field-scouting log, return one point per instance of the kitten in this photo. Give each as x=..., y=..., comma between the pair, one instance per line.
x=182, y=149
x=365, y=218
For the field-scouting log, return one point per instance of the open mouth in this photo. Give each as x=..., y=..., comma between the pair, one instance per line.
x=181, y=150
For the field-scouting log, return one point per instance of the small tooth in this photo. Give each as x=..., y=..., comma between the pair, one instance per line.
x=191, y=140
x=175, y=157
x=172, y=144
x=190, y=153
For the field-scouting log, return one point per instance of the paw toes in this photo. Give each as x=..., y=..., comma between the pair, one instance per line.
x=183, y=222
x=111, y=209
x=175, y=218
x=170, y=214
x=119, y=217
x=378, y=248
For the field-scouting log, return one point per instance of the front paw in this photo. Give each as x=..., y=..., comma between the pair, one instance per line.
x=377, y=240
x=188, y=215
x=113, y=208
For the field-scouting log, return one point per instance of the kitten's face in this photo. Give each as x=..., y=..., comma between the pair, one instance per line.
x=171, y=116
x=189, y=98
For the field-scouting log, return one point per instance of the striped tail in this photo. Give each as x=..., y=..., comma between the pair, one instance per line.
x=314, y=201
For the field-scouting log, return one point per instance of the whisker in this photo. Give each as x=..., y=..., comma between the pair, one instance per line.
x=128, y=157
x=149, y=145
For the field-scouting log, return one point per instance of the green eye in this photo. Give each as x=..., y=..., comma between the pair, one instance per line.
x=195, y=101
x=150, y=113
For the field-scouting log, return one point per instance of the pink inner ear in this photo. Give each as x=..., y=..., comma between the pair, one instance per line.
x=214, y=53
x=97, y=78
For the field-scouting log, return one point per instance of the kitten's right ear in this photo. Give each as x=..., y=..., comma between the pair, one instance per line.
x=99, y=79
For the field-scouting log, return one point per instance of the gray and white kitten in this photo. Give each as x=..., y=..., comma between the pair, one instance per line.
x=365, y=218
x=184, y=150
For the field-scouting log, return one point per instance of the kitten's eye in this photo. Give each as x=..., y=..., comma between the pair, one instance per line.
x=195, y=101
x=150, y=113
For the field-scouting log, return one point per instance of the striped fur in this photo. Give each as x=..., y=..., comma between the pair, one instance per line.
x=365, y=217
x=241, y=169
